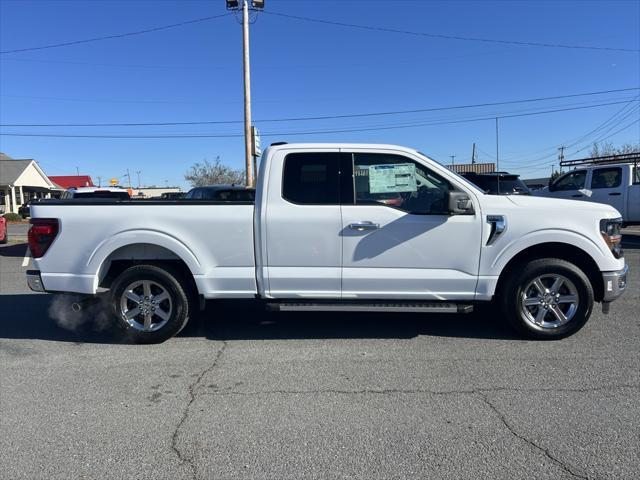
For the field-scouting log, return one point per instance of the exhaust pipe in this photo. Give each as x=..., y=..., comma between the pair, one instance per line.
x=81, y=304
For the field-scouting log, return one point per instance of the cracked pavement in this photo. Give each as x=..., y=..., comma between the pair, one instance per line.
x=242, y=393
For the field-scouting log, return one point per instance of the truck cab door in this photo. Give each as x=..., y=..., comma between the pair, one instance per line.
x=607, y=187
x=570, y=186
x=299, y=225
x=399, y=240
x=633, y=196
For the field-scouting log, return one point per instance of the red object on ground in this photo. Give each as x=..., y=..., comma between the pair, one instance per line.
x=72, y=181
x=3, y=230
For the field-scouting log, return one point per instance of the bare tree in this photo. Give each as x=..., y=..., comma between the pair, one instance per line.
x=208, y=173
x=607, y=148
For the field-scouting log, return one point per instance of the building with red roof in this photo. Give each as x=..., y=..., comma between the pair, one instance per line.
x=72, y=181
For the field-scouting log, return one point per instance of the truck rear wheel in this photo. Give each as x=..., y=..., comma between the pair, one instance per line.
x=151, y=304
x=547, y=298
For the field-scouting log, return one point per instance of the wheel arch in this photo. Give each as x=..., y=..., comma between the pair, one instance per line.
x=564, y=251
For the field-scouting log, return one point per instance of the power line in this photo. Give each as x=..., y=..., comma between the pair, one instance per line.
x=546, y=164
x=327, y=117
x=449, y=37
x=118, y=35
x=580, y=139
x=316, y=132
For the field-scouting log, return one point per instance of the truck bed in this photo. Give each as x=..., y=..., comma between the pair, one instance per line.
x=214, y=240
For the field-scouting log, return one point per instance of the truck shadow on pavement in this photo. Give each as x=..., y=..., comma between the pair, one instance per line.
x=13, y=250
x=26, y=316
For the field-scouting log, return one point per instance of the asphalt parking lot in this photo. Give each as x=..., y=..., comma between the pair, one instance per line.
x=242, y=393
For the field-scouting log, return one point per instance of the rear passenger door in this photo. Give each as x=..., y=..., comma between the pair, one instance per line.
x=607, y=187
x=302, y=225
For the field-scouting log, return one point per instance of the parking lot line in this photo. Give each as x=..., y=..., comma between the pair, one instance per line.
x=27, y=256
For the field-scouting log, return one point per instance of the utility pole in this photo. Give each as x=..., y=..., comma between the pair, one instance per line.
x=129, y=177
x=138, y=172
x=473, y=153
x=77, y=171
x=497, y=157
x=99, y=181
x=497, y=149
x=453, y=158
x=247, y=94
x=246, y=65
x=561, y=157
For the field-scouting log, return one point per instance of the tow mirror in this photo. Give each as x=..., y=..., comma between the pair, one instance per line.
x=460, y=203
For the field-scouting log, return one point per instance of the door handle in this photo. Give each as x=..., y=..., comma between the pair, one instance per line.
x=577, y=195
x=614, y=194
x=362, y=226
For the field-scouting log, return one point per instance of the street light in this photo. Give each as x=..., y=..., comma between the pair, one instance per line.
x=235, y=4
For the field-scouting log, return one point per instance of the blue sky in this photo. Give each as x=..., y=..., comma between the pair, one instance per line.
x=194, y=73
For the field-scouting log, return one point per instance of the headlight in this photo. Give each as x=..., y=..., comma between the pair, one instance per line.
x=610, y=231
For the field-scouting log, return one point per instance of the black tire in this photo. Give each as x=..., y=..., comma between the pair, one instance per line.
x=177, y=307
x=512, y=294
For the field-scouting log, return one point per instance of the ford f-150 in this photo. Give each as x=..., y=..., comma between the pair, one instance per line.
x=323, y=235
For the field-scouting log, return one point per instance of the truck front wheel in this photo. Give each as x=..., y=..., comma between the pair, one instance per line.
x=151, y=304
x=547, y=298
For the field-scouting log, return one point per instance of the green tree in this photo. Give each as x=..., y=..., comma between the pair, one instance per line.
x=213, y=173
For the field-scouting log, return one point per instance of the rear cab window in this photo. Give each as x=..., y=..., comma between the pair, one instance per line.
x=312, y=178
x=606, y=178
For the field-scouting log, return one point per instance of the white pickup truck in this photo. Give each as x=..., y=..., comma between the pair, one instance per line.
x=617, y=185
x=336, y=227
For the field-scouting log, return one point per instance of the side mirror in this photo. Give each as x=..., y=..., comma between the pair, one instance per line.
x=460, y=203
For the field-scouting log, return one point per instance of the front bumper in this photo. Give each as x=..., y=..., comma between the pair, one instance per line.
x=34, y=281
x=614, y=284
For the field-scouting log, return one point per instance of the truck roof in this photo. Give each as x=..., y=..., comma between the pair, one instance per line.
x=344, y=146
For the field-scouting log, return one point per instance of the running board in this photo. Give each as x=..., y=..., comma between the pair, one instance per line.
x=422, y=307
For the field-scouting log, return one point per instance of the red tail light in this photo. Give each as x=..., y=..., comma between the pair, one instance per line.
x=41, y=235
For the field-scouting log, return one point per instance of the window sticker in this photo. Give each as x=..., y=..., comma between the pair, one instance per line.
x=392, y=178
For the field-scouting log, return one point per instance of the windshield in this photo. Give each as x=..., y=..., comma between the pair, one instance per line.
x=116, y=195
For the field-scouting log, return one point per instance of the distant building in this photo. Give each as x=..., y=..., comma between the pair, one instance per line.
x=20, y=181
x=472, y=167
x=72, y=181
x=151, y=192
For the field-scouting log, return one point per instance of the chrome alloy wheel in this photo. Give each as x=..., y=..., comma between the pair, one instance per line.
x=549, y=301
x=146, y=305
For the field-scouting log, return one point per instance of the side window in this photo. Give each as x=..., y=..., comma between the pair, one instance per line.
x=311, y=178
x=195, y=194
x=399, y=182
x=606, y=178
x=636, y=175
x=571, y=181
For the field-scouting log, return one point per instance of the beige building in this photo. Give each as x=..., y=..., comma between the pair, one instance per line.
x=20, y=181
